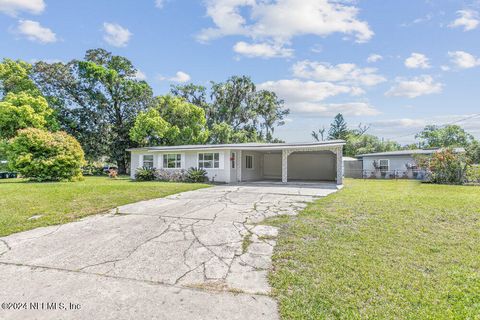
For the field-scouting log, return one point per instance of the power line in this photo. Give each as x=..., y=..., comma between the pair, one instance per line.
x=443, y=125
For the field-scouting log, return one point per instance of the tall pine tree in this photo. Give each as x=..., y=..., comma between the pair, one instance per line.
x=338, y=128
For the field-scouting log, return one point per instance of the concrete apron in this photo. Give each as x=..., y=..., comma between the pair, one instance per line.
x=194, y=255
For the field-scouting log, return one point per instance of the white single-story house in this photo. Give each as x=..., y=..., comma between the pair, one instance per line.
x=395, y=164
x=231, y=163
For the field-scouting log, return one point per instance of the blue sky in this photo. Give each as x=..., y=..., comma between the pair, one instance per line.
x=395, y=65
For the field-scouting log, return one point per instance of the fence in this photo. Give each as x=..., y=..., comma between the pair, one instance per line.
x=471, y=176
x=386, y=174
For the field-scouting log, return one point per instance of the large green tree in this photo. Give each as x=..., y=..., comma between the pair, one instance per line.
x=98, y=99
x=170, y=121
x=238, y=104
x=448, y=136
x=15, y=78
x=357, y=141
x=22, y=110
x=187, y=121
x=366, y=143
x=224, y=133
x=149, y=129
x=338, y=128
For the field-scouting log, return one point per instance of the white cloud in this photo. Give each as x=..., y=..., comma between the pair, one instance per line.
x=159, y=3
x=308, y=97
x=464, y=60
x=13, y=7
x=279, y=21
x=116, y=35
x=347, y=73
x=445, y=68
x=417, y=61
x=33, y=31
x=468, y=19
x=263, y=50
x=426, y=18
x=403, y=123
x=415, y=87
x=354, y=109
x=139, y=75
x=374, y=58
x=299, y=91
x=180, y=76
x=404, y=129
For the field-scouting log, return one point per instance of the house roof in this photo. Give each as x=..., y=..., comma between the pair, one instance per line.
x=408, y=152
x=244, y=146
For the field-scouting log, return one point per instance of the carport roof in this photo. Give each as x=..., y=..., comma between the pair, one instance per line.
x=244, y=146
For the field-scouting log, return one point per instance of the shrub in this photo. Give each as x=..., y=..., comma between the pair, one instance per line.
x=445, y=167
x=473, y=174
x=197, y=175
x=93, y=169
x=172, y=175
x=145, y=174
x=45, y=156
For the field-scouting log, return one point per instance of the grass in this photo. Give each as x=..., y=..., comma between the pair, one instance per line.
x=381, y=250
x=247, y=241
x=61, y=202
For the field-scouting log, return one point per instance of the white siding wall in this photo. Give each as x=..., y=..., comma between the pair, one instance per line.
x=222, y=174
x=396, y=162
x=257, y=172
x=272, y=167
x=189, y=160
x=135, y=163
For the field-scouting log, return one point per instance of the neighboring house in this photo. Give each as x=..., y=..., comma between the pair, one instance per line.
x=230, y=163
x=395, y=164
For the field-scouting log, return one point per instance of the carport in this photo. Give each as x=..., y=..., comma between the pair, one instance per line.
x=316, y=162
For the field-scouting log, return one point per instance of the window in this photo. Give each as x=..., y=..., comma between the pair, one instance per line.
x=249, y=162
x=209, y=160
x=148, y=161
x=384, y=164
x=173, y=160
x=232, y=159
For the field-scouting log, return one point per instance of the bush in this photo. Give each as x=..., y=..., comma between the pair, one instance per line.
x=145, y=174
x=45, y=156
x=93, y=169
x=445, y=167
x=172, y=175
x=197, y=175
x=473, y=174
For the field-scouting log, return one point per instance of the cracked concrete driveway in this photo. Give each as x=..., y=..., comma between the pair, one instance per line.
x=179, y=257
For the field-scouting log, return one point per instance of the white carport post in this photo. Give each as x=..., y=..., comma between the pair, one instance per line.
x=239, y=165
x=339, y=154
x=285, y=154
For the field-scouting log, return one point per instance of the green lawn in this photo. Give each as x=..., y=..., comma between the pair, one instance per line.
x=381, y=250
x=61, y=202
